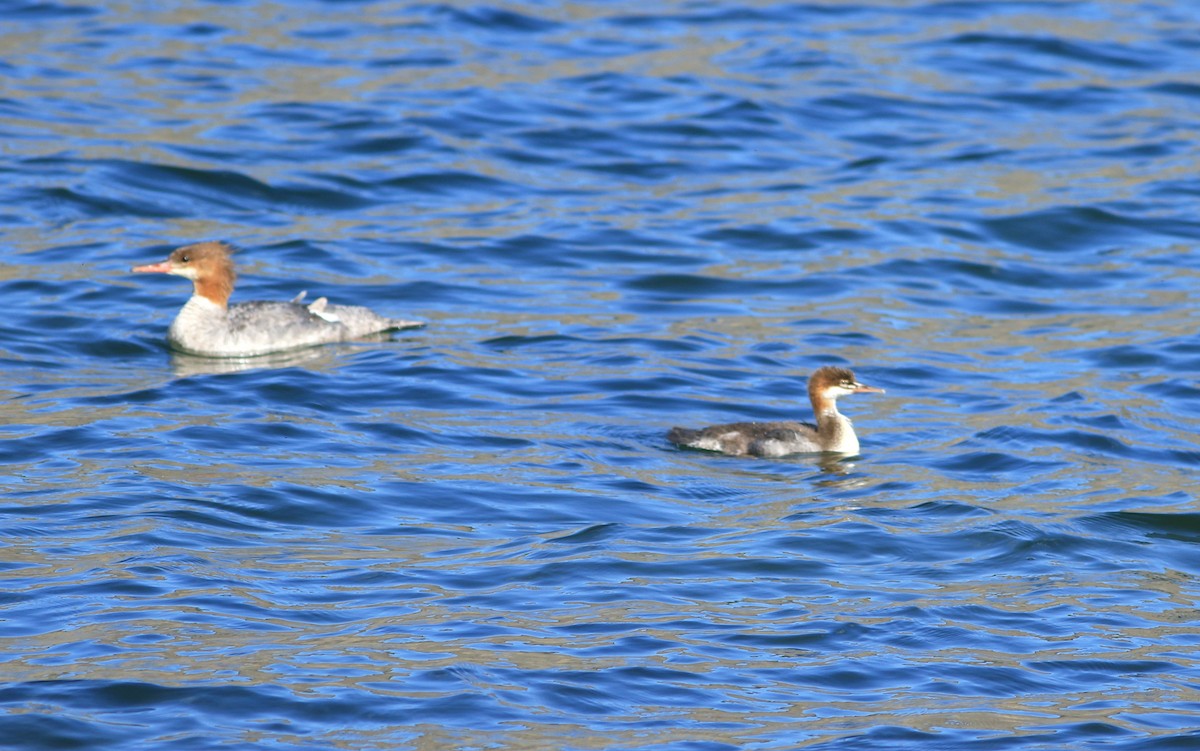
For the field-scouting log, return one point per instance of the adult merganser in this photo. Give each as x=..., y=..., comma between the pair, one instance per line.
x=208, y=325
x=833, y=431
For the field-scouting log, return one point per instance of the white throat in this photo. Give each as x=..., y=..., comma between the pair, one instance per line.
x=837, y=429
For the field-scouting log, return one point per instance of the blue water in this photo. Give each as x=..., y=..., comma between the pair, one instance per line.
x=615, y=217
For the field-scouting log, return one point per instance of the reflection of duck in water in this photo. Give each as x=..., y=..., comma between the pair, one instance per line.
x=833, y=431
x=184, y=365
x=208, y=325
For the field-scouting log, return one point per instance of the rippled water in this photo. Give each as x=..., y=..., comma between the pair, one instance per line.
x=615, y=217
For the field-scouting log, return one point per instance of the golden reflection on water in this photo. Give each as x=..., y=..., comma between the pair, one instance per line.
x=138, y=590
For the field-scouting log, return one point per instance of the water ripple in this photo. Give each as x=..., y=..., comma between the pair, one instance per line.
x=614, y=219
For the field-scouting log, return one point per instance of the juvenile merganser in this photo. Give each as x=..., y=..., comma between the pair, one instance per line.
x=833, y=431
x=208, y=325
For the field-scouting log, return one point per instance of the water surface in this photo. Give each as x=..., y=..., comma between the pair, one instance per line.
x=615, y=218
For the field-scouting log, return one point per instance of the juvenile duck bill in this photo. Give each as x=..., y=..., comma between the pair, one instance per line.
x=163, y=267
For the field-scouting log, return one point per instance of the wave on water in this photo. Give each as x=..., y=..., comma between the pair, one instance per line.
x=614, y=219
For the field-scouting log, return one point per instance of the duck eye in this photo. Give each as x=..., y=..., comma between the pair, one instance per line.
x=185, y=258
